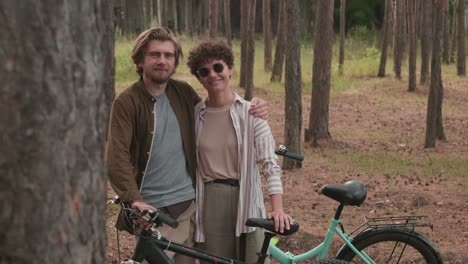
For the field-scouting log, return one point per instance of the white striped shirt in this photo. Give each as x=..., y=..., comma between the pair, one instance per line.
x=255, y=144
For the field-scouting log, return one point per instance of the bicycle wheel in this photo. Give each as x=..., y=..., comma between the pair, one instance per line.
x=392, y=245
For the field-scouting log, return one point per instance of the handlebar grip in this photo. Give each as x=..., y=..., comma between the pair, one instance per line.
x=167, y=219
x=289, y=154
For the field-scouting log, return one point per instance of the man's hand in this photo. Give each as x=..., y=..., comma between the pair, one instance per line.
x=142, y=206
x=259, y=108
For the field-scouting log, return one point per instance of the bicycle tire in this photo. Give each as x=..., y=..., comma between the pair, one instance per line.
x=387, y=245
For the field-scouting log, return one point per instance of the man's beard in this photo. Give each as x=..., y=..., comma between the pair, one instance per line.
x=160, y=80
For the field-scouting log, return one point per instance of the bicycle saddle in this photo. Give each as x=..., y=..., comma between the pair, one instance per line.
x=269, y=225
x=350, y=193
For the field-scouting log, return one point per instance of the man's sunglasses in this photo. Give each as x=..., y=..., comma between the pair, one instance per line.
x=203, y=72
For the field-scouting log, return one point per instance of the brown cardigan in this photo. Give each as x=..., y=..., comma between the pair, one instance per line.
x=131, y=131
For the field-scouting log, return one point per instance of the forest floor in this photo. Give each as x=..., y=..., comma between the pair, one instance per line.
x=378, y=132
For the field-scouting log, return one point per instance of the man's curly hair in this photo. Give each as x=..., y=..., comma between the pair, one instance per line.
x=208, y=51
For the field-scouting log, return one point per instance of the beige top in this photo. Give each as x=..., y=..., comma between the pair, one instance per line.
x=217, y=147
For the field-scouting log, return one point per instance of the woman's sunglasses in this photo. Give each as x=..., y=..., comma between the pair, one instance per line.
x=203, y=72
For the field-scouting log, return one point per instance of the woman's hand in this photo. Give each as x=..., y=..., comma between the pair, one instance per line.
x=282, y=220
x=259, y=108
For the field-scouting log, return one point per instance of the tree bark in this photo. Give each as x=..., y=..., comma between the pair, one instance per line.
x=213, y=18
x=318, y=122
x=461, y=63
x=388, y=17
x=342, y=35
x=277, y=71
x=57, y=88
x=250, y=54
x=134, y=17
x=399, y=38
x=227, y=21
x=412, y=46
x=267, y=35
x=446, y=35
x=293, y=86
x=243, y=35
x=434, y=124
x=426, y=40
x=454, y=33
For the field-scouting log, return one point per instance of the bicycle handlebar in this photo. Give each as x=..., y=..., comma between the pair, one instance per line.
x=153, y=218
x=283, y=151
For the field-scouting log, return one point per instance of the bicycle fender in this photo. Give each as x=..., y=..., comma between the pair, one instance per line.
x=366, y=234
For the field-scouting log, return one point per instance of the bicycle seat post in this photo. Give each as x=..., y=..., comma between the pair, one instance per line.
x=338, y=211
x=266, y=242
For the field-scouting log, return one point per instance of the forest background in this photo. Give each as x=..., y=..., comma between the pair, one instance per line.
x=368, y=90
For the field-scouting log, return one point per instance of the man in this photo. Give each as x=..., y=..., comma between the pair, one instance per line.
x=151, y=155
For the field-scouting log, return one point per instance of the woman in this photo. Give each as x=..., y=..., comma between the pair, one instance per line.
x=230, y=142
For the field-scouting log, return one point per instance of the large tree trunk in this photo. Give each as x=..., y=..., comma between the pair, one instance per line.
x=293, y=86
x=213, y=18
x=411, y=6
x=57, y=88
x=399, y=47
x=227, y=21
x=461, y=64
x=250, y=54
x=342, y=35
x=277, y=71
x=434, y=124
x=318, y=122
x=388, y=18
x=267, y=34
x=426, y=40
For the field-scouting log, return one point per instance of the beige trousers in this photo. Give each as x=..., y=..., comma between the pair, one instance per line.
x=220, y=208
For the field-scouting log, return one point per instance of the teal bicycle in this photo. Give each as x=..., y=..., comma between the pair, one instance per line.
x=378, y=240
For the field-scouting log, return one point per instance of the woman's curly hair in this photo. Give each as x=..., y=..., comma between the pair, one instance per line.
x=208, y=51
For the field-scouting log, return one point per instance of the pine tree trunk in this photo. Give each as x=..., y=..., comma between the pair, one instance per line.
x=446, y=36
x=134, y=17
x=461, y=63
x=267, y=35
x=164, y=12
x=434, y=125
x=454, y=33
x=293, y=87
x=277, y=71
x=227, y=21
x=386, y=36
x=399, y=38
x=249, y=71
x=54, y=105
x=426, y=41
x=243, y=35
x=412, y=46
x=318, y=122
x=342, y=35
x=213, y=18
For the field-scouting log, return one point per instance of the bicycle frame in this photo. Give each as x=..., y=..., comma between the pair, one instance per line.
x=321, y=250
x=153, y=247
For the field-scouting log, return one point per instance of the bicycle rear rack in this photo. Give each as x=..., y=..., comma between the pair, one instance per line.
x=409, y=222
